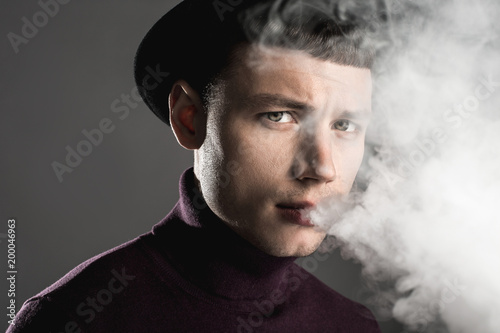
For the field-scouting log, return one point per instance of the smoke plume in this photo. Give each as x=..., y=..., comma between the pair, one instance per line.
x=424, y=223
x=427, y=218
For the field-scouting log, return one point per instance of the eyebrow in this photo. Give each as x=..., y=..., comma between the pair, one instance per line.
x=263, y=101
x=356, y=115
x=274, y=100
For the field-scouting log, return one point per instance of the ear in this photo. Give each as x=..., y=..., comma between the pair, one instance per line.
x=187, y=117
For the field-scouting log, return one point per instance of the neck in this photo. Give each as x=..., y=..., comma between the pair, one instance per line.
x=211, y=255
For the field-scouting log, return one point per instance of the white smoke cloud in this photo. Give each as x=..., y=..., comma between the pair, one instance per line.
x=426, y=225
x=429, y=218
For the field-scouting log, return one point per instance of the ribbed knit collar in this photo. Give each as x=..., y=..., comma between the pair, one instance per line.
x=210, y=255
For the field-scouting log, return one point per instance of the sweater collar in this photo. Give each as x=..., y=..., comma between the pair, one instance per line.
x=209, y=254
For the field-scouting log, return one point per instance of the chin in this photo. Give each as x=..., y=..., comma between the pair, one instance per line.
x=297, y=249
x=283, y=252
x=305, y=251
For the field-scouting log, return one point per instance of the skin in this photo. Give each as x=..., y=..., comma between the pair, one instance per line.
x=282, y=127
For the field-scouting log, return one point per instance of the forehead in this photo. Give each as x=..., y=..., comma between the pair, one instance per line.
x=300, y=76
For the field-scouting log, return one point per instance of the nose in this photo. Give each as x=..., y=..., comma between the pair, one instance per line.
x=315, y=160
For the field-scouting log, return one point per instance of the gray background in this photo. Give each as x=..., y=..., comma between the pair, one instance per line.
x=62, y=82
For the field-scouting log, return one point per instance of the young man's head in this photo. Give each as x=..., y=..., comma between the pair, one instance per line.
x=279, y=125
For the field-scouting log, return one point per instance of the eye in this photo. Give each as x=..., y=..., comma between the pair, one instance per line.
x=279, y=117
x=344, y=125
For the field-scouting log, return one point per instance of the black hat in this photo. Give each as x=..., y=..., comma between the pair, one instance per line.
x=194, y=40
x=189, y=42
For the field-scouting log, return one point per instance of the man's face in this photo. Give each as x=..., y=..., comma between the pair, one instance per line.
x=284, y=131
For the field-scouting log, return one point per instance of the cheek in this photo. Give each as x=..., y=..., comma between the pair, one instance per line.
x=348, y=162
x=263, y=161
x=260, y=148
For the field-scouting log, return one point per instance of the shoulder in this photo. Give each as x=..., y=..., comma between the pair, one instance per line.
x=101, y=268
x=73, y=301
x=38, y=314
x=320, y=301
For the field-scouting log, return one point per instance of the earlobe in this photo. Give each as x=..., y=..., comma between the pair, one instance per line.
x=187, y=117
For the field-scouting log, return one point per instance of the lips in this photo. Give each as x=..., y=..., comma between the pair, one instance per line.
x=293, y=212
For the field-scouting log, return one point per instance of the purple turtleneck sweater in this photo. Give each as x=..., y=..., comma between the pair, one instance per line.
x=191, y=273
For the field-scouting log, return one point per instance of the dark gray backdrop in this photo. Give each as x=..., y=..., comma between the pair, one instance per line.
x=61, y=82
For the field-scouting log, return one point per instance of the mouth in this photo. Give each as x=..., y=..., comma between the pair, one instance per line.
x=294, y=212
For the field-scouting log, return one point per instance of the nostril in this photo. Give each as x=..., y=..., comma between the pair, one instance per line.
x=315, y=162
x=298, y=168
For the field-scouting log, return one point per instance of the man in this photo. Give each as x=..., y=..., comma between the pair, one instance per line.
x=274, y=103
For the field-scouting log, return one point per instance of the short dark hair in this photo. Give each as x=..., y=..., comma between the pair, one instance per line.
x=206, y=44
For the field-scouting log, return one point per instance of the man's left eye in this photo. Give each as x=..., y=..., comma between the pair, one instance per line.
x=279, y=117
x=344, y=125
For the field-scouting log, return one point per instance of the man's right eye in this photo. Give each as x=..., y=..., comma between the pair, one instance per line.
x=279, y=117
